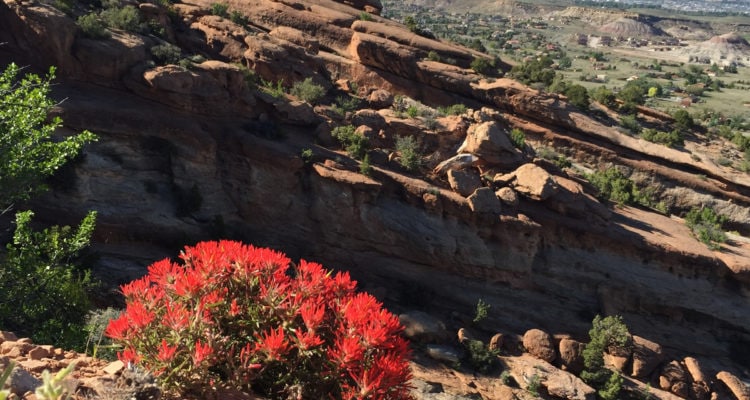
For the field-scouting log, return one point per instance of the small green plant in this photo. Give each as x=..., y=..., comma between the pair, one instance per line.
x=5, y=393
x=353, y=143
x=166, y=53
x=455, y=109
x=534, y=384
x=433, y=56
x=412, y=111
x=98, y=345
x=480, y=357
x=220, y=9
x=127, y=18
x=307, y=91
x=365, y=16
x=408, y=150
x=430, y=123
x=630, y=122
x=306, y=155
x=274, y=89
x=482, y=66
x=613, y=185
x=345, y=104
x=518, y=138
x=364, y=167
x=723, y=161
x=52, y=387
x=238, y=18
x=92, y=26
x=706, y=225
x=482, y=311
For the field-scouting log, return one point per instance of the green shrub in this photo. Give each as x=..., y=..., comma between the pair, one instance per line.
x=97, y=344
x=166, y=53
x=274, y=89
x=220, y=9
x=345, y=104
x=127, y=18
x=44, y=294
x=706, y=225
x=578, y=96
x=683, y=120
x=605, y=332
x=307, y=91
x=534, y=384
x=365, y=16
x=412, y=111
x=613, y=185
x=455, y=109
x=604, y=96
x=433, y=56
x=92, y=26
x=480, y=357
x=482, y=66
x=306, y=155
x=518, y=138
x=355, y=145
x=505, y=378
x=630, y=122
x=481, y=311
x=670, y=139
x=408, y=149
x=239, y=19
x=364, y=167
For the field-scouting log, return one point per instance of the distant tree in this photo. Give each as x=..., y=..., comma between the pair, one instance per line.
x=604, y=96
x=632, y=94
x=683, y=120
x=605, y=333
x=565, y=62
x=578, y=96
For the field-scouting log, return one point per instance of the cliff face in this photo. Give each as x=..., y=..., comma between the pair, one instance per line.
x=189, y=154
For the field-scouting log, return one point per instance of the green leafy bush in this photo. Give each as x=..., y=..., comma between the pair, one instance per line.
x=220, y=9
x=706, y=225
x=433, y=55
x=630, y=122
x=683, y=120
x=605, y=333
x=455, y=109
x=97, y=344
x=345, y=104
x=481, y=311
x=604, y=96
x=578, y=96
x=307, y=91
x=613, y=185
x=92, y=26
x=364, y=167
x=408, y=149
x=238, y=18
x=166, y=53
x=238, y=316
x=670, y=139
x=353, y=143
x=127, y=18
x=28, y=155
x=43, y=293
x=274, y=89
x=365, y=16
x=518, y=138
x=482, y=66
x=480, y=357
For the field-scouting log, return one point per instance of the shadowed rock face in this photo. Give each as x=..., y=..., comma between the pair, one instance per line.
x=189, y=154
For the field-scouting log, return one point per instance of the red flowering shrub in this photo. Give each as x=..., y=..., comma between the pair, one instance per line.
x=238, y=316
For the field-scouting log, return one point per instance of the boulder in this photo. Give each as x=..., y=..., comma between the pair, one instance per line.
x=491, y=144
x=534, y=182
x=422, y=327
x=443, y=353
x=695, y=370
x=735, y=385
x=559, y=384
x=673, y=378
x=464, y=181
x=297, y=37
x=496, y=342
x=380, y=99
x=508, y=196
x=370, y=118
x=456, y=162
x=484, y=201
x=646, y=357
x=539, y=344
x=571, y=355
x=486, y=114
x=21, y=381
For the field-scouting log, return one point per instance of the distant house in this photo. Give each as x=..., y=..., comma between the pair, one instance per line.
x=601, y=78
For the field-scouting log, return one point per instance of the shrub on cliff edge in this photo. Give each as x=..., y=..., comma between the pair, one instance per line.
x=239, y=316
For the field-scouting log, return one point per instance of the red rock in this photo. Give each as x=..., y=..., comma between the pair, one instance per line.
x=38, y=352
x=114, y=367
x=539, y=344
x=34, y=365
x=738, y=388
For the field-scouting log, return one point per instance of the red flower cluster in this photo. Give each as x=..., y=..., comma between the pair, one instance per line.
x=238, y=314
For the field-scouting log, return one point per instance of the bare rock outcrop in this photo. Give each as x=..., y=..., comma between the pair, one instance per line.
x=559, y=384
x=673, y=378
x=464, y=181
x=534, y=182
x=491, y=144
x=736, y=386
x=571, y=355
x=647, y=355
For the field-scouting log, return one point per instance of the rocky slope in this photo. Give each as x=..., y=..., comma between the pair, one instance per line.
x=194, y=153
